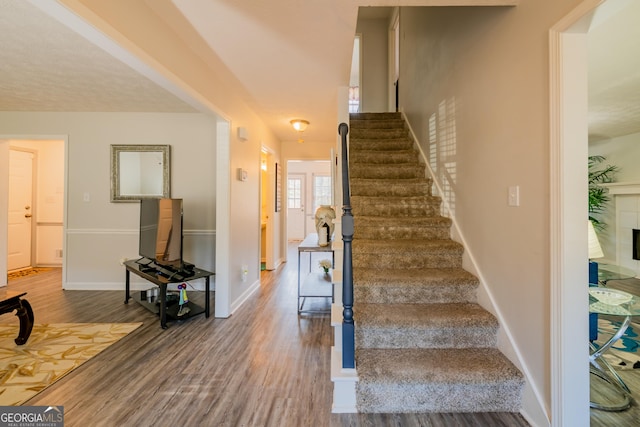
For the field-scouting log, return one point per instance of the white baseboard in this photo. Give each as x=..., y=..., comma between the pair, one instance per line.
x=245, y=296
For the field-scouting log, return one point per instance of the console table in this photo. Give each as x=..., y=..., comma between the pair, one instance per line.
x=10, y=301
x=161, y=278
x=313, y=285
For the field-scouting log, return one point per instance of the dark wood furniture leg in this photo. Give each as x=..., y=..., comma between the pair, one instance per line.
x=25, y=314
x=207, y=296
x=163, y=305
x=127, y=295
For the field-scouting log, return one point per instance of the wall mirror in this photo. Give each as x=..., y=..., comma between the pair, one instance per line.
x=139, y=172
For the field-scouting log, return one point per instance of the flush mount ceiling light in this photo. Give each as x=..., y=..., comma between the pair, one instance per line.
x=299, y=125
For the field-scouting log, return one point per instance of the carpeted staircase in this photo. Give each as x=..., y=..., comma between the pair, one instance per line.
x=423, y=344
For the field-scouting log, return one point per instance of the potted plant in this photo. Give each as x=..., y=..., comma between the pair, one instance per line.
x=598, y=195
x=325, y=264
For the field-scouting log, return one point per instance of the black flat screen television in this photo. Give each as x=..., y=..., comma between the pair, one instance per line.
x=161, y=233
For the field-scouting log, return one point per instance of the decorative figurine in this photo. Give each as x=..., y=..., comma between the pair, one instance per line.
x=324, y=224
x=184, y=308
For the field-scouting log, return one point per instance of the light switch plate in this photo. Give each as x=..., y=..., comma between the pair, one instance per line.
x=514, y=195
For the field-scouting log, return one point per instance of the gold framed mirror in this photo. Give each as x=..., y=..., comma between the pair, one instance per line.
x=139, y=172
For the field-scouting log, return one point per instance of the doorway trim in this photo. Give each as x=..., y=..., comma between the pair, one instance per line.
x=270, y=195
x=568, y=233
x=223, y=217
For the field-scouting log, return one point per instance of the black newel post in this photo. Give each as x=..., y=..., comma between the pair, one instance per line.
x=348, y=327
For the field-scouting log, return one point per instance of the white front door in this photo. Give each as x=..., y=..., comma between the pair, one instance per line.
x=20, y=209
x=296, y=190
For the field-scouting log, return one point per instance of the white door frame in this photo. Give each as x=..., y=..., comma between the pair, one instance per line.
x=270, y=195
x=568, y=217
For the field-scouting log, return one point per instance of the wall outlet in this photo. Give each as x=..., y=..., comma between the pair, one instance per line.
x=58, y=253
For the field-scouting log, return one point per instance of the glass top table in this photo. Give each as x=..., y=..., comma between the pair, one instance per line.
x=603, y=300
x=608, y=272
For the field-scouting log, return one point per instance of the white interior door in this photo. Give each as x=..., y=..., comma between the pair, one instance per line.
x=296, y=198
x=20, y=209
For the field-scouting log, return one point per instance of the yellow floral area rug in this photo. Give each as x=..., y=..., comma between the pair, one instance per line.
x=52, y=351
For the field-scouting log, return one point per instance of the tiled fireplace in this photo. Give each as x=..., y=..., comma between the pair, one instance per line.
x=626, y=198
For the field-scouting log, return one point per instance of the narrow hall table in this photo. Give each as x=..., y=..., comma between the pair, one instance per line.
x=313, y=285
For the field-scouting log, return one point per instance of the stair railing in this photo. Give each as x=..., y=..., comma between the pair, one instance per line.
x=348, y=326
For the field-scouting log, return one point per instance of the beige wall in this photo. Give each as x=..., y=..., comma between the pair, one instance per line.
x=374, y=78
x=478, y=77
x=624, y=152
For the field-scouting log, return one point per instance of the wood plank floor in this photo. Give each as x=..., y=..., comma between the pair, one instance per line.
x=264, y=366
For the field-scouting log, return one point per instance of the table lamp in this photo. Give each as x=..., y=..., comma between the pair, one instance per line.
x=595, y=251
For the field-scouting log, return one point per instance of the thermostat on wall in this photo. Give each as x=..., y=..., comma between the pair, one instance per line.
x=242, y=174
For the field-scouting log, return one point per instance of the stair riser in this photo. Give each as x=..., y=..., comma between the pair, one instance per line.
x=379, y=133
x=376, y=124
x=422, y=188
x=433, y=294
x=370, y=208
x=400, y=171
x=504, y=396
x=406, y=260
x=399, y=232
x=383, y=157
x=397, y=337
x=402, y=144
x=375, y=116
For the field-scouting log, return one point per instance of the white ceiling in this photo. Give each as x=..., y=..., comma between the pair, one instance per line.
x=614, y=70
x=45, y=66
x=290, y=56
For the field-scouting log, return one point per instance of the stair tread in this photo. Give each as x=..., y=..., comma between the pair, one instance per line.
x=402, y=221
x=387, y=181
x=396, y=199
x=461, y=365
x=361, y=155
x=389, y=162
x=412, y=277
x=420, y=316
x=404, y=245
